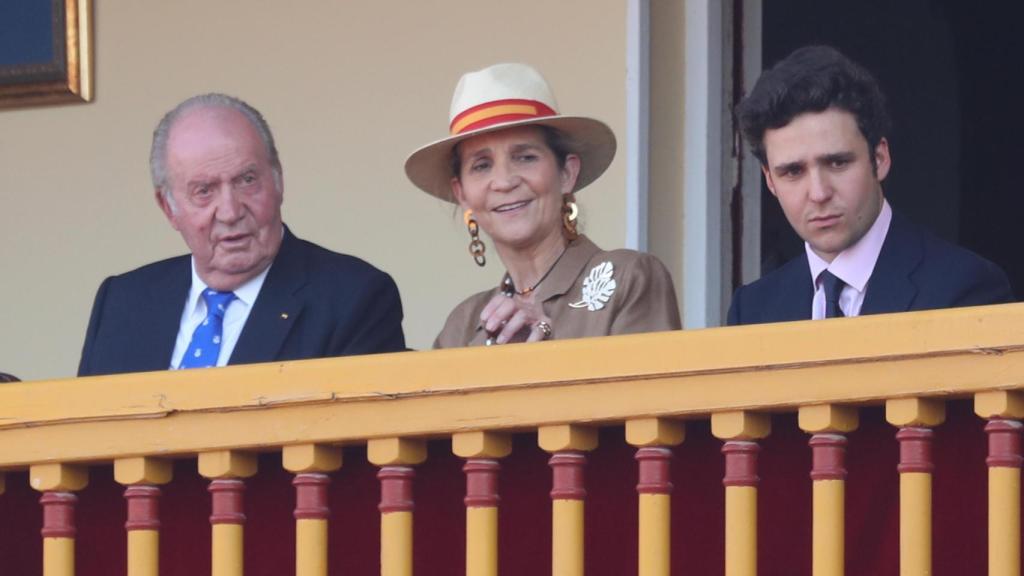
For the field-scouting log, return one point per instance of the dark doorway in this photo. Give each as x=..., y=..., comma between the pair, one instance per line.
x=952, y=72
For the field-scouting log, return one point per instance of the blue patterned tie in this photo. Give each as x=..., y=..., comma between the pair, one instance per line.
x=833, y=287
x=204, y=348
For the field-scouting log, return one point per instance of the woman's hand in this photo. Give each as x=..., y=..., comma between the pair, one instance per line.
x=515, y=319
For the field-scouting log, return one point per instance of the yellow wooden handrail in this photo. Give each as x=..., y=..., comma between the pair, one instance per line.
x=438, y=393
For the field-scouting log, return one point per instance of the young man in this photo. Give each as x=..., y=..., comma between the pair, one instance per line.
x=817, y=123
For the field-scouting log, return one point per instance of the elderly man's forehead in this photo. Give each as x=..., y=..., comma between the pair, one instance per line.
x=212, y=117
x=202, y=132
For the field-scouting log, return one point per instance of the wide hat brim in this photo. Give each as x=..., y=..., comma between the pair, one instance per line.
x=429, y=167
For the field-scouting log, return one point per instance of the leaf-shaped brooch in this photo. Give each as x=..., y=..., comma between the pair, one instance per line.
x=598, y=288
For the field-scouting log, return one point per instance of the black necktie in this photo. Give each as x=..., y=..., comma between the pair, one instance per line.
x=833, y=287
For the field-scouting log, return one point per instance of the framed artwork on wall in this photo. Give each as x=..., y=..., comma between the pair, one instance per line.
x=45, y=52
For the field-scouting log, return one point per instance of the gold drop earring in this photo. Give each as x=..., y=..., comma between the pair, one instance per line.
x=476, y=245
x=570, y=211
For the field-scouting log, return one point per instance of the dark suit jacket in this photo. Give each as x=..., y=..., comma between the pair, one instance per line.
x=314, y=303
x=915, y=271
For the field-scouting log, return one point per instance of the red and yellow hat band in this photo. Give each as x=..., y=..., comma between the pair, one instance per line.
x=498, y=112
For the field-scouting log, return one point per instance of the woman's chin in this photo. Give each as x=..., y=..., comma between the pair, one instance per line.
x=522, y=241
x=513, y=241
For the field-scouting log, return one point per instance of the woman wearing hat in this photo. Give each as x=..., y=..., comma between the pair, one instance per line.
x=513, y=164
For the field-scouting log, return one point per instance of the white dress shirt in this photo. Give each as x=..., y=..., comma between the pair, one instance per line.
x=853, y=266
x=234, y=317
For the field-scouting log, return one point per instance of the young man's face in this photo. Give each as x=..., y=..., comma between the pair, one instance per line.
x=820, y=168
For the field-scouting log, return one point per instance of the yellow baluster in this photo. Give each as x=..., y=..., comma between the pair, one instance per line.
x=481, y=450
x=311, y=514
x=227, y=468
x=739, y=429
x=1004, y=411
x=395, y=456
x=310, y=462
x=57, y=482
x=915, y=468
x=141, y=475
x=1004, y=521
x=653, y=435
x=567, y=442
x=828, y=423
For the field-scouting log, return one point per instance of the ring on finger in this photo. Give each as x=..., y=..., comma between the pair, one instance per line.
x=544, y=328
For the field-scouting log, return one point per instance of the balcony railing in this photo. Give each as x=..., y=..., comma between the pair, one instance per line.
x=896, y=392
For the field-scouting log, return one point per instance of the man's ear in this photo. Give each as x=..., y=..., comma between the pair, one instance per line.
x=768, y=179
x=278, y=175
x=165, y=206
x=883, y=161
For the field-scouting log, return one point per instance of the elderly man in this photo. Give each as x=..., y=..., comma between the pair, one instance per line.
x=818, y=124
x=250, y=291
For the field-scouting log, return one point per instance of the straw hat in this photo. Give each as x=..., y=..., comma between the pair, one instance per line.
x=505, y=96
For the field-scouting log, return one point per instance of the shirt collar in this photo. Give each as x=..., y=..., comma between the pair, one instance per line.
x=246, y=293
x=855, y=264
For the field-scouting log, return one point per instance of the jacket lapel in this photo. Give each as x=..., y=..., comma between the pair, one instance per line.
x=891, y=288
x=277, y=307
x=167, y=299
x=794, y=303
x=568, y=268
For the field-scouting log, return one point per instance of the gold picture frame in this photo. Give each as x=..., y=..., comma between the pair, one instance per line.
x=68, y=75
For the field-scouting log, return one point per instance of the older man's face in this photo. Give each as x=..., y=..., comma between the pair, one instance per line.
x=225, y=201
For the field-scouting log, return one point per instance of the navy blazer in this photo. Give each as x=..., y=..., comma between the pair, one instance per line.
x=314, y=303
x=915, y=271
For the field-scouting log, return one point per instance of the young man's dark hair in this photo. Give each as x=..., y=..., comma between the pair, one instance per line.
x=812, y=79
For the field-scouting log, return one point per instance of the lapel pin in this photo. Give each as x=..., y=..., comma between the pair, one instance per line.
x=598, y=288
x=284, y=315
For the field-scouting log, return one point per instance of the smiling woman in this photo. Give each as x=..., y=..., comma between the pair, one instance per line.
x=513, y=163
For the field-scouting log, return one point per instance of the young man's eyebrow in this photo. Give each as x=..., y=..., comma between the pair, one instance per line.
x=837, y=156
x=786, y=166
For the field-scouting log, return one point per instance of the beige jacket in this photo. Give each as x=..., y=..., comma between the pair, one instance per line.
x=638, y=296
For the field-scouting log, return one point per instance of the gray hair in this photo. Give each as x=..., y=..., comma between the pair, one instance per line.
x=158, y=153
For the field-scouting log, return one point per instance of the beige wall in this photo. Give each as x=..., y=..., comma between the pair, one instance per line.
x=349, y=88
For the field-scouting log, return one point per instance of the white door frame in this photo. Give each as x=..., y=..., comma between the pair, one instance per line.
x=702, y=215
x=714, y=161
x=638, y=58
